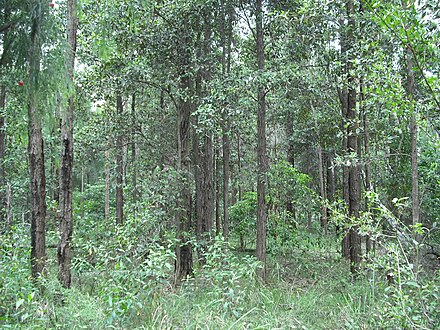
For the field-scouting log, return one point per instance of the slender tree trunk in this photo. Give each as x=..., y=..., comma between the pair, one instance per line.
x=322, y=190
x=107, y=185
x=119, y=167
x=184, y=249
x=413, y=127
x=261, y=147
x=413, y=136
x=352, y=148
x=217, y=190
x=330, y=173
x=184, y=259
x=66, y=177
x=133, y=154
x=239, y=158
x=36, y=152
x=345, y=169
x=226, y=69
x=4, y=225
x=290, y=155
x=368, y=185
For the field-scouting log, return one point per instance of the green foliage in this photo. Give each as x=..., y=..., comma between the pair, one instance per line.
x=18, y=296
x=243, y=216
x=225, y=277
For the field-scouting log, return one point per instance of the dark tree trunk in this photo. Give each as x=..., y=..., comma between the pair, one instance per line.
x=36, y=153
x=290, y=155
x=107, y=186
x=413, y=136
x=368, y=185
x=4, y=225
x=240, y=155
x=217, y=190
x=226, y=68
x=119, y=166
x=133, y=154
x=330, y=177
x=261, y=147
x=184, y=258
x=184, y=249
x=352, y=147
x=322, y=190
x=66, y=177
x=344, y=107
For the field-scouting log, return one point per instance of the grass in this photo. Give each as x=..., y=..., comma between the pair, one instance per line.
x=309, y=287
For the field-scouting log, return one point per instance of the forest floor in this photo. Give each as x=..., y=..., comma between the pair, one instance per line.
x=309, y=287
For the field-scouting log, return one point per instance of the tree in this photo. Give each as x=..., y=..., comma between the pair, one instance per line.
x=36, y=149
x=261, y=149
x=119, y=165
x=66, y=166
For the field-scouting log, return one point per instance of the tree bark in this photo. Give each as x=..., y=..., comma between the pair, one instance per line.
x=4, y=225
x=226, y=69
x=36, y=152
x=290, y=156
x=133, y=154
x=322, y=190
x=107, y=185
x=368, y=185
x=413, y=136
x=119, y=166
x=184, y=249
x=184, y=258
x=66, y=174
x=345, y=169
x=261, y=147
x=217, y=190
x=204, y=155
x=352, y=147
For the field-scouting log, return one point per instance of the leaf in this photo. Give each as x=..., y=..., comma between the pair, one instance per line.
x=413, y=284
x=18, y=303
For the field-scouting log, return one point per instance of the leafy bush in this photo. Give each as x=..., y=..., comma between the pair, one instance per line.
x=17, y=293
x=224, y=277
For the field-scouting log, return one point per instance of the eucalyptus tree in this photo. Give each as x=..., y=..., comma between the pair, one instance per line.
x=36, y=149
x=350, y=113
x=261, y=148
x=66, y=166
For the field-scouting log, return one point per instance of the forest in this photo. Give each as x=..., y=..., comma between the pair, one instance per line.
x=219, y=164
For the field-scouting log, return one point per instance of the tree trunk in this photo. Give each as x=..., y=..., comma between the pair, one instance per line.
x=183, y=217
x=217, y=191
x=290, y=156
x=330, y=178
x=119, y=166
x=66, y=177
x=4, y=225
x=345, y=169
x=226, y=69
x=261, y=147
x=322, y=190
x=368, y=185
x=413, y=127
x=184, y=259
x=413, y=136
x=352, y=147
x=36, y=152
x=107, y=185
x=133, y=154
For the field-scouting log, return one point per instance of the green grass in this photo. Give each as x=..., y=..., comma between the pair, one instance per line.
x=309, y=287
